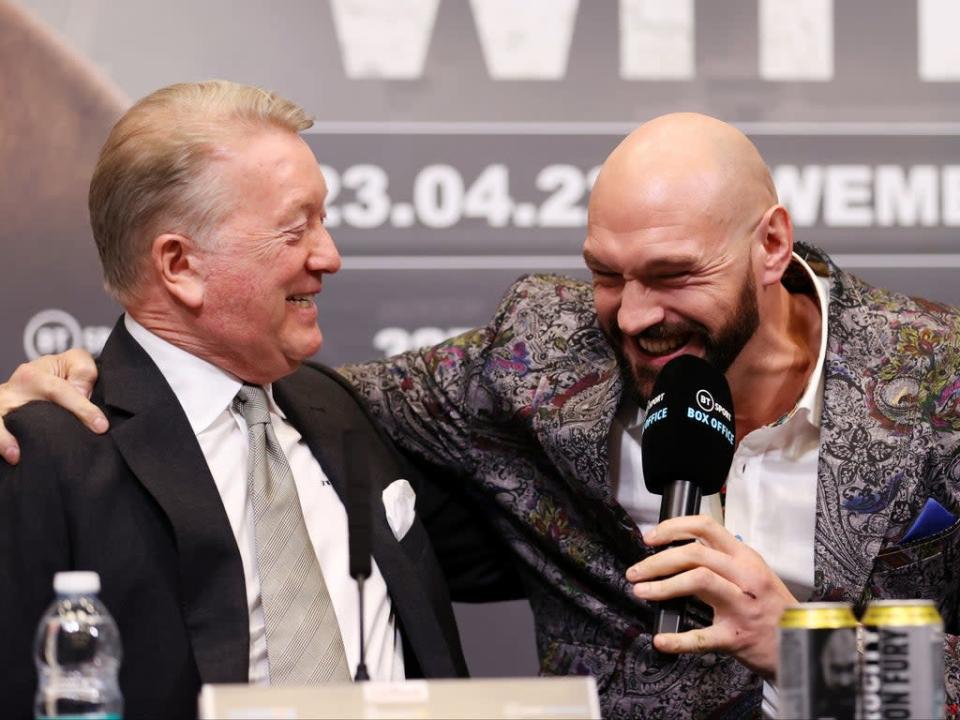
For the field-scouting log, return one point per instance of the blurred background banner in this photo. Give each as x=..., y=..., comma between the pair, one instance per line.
x=460, y=138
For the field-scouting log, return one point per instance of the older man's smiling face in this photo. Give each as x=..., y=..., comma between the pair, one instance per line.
x=268, y=257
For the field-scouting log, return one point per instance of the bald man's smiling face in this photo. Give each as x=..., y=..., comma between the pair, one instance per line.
x=665, y=289
x=675, y=224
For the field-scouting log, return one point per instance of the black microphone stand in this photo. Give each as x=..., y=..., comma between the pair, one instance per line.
x=359, y=526
x=361, y=674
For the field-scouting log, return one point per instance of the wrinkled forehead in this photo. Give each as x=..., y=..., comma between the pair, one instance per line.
x=634, y=192
x=668, y=237
x=663, y=216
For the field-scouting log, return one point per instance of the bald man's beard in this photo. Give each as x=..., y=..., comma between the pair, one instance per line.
x=721, y=348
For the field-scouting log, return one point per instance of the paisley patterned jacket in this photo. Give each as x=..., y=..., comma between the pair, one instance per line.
x=524, y=407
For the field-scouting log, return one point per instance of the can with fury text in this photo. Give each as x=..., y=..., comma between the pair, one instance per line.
x=902, y=660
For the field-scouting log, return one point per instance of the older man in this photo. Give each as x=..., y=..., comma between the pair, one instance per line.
x=847, y=428
x=212, y=509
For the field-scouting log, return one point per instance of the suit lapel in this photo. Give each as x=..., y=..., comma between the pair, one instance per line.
x=323, y=419
x=861, y=462
x=159, y=446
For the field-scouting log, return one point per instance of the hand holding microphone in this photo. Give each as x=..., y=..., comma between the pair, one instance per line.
x=687, y=445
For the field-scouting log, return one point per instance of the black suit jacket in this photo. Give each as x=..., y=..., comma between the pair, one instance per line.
x=139, y=506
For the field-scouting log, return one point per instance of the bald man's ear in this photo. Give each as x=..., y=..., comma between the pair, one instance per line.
x=179, y=263
x=776, y=242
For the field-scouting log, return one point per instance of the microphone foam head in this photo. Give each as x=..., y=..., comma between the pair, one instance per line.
x=689, y=431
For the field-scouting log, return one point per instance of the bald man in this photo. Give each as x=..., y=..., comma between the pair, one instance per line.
x=847, y=430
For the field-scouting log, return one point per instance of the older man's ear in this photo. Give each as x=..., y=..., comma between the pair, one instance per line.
x=178, y=262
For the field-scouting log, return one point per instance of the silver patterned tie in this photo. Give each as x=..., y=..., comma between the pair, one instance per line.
x=303, y=639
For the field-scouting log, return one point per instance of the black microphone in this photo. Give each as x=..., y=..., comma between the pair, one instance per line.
x=687, y=447
x=359, y=523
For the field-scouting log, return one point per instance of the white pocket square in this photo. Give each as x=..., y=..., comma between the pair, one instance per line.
x=398, y=501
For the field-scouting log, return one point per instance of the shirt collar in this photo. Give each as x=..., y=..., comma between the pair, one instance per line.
x=203, y=390
x=810, y=405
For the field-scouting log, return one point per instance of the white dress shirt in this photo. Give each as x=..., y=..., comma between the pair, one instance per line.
x=771, y=489
x=206, y=394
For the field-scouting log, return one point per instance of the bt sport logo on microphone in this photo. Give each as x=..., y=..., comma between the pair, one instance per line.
x=654, y=415
x=704, y=414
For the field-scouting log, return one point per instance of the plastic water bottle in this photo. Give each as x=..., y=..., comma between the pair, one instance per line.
x=77, y=653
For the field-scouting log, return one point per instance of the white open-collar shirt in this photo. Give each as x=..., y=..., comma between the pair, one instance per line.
x=206, y=394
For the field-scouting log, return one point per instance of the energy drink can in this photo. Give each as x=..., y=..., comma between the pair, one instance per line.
x=817, y=675
x=902, y=660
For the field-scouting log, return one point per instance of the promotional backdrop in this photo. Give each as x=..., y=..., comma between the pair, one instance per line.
x=460, y=138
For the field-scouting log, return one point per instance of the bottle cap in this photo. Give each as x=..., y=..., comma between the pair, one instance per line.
x=76, y=583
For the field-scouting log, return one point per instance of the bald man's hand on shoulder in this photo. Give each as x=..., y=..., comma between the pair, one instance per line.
x=66, y=379
x=747, y=597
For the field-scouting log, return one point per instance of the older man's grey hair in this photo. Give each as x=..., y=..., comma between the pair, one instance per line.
x=156, y=172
